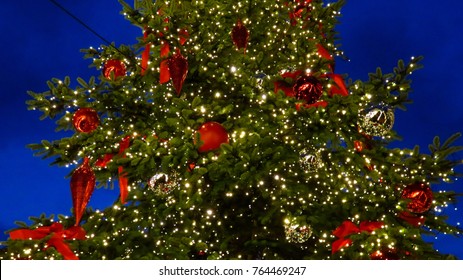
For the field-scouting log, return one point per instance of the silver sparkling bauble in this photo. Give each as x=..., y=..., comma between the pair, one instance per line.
x=376, y=121
x=297, y=234
x=162, y=183
x=310, y=160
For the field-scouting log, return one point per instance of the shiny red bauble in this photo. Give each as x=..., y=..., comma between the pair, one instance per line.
x=308, y=89
x=113, y=69
x=420, y=196
x=212, y=135
x=85, y=120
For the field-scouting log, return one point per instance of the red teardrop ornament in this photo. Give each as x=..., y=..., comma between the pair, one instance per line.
x=82, y=186
x=240, y=35
x=178, y=69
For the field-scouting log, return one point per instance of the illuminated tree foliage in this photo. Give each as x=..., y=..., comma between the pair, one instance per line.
x=299, y=163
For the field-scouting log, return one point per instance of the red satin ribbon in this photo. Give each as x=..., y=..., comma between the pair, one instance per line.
x=164, y=76
x=146, y=53
x=297, y=13
x=58, y=235
x=123, y=181
x=339, y=86
x=347, y=228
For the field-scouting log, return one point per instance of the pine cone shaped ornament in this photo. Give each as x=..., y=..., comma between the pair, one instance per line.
x=240, y=35
x=82, y=186
x=178, y=68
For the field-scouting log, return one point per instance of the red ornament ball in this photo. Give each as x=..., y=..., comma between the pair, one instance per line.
x=85, y=120
x=308, y=89
x=212, y=135
x=113, y=69
x=420, y=196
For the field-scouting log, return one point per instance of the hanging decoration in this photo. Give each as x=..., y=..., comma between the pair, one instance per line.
x=420, y=196
x=301, y=8
x=85, y=120
x=376, y=121
x=310, y=160
x=55, y=234
x=164, y=71
x=164, y=74
x=212, y=135
x=339, y=87
x=308, y=89
x=296, y=233
x=178, y=69
x=82, y=186
x=347, y=228
x=146, y=52
x=240, y=35
x=414, y=220
x=114, y=69
x=162, y=184
x=103, y=161
x=123, y=180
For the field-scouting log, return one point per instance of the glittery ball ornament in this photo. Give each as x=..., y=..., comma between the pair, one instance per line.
x=113, y=69
x=310, y=160
x=82, y=187
x=85, y=120
x=376, y=121
x=297, y=234
x=308, y=89
x=420, y=196
x=163, y=184
x=212, y=134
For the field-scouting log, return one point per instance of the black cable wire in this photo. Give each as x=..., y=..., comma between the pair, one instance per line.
x=89, y=28
x=80, y=21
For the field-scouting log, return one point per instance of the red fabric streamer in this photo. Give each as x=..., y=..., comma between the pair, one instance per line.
x=123, y=181
x=297, y=13
x=347, y=228
x=58, y=235
x=323, y=52
x=164, y=76
x=146, y=53
x=339, y=86
x=103, y=162
x=412, y=219
x=183, y=35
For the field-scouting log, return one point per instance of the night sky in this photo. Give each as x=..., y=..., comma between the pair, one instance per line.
x=38, y=42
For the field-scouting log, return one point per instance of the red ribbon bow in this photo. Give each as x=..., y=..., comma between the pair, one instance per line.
x=58, y=235
x=347, y=228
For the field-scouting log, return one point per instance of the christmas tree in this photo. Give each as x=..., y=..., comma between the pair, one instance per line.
x=232, y=136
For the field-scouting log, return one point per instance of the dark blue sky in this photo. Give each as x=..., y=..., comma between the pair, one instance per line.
x=38, y=41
